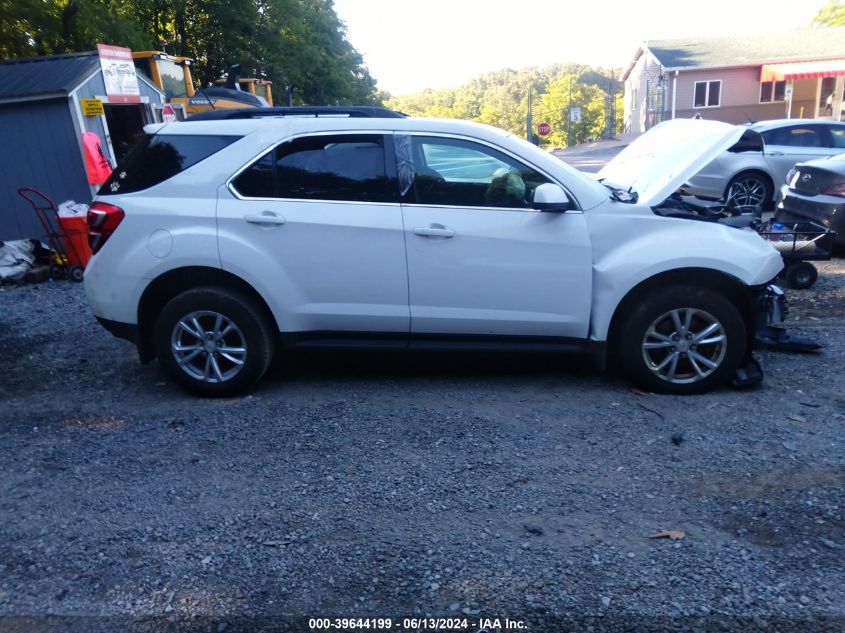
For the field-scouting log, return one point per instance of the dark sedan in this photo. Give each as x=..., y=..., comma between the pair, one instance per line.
x=815, y=191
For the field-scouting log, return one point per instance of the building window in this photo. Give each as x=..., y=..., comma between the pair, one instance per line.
x=707, y=94
x=772, y=91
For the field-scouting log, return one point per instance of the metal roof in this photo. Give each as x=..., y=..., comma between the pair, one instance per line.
x=52, y=75
x=750, y=49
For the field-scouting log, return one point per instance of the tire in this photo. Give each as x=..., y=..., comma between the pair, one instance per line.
x=227, y=364
x=711, y=316
x=801, y=275
x=749, y=190
x=77, y=273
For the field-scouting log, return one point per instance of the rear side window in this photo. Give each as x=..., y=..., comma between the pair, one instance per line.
x=348, y=167
x=795, y=136
x=159, y=157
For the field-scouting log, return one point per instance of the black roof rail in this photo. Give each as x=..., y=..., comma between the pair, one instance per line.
x=370, y=112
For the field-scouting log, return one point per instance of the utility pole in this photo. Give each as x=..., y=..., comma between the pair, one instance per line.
x=528, y=124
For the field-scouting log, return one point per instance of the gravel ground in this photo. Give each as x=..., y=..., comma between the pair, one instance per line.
x=399, y=486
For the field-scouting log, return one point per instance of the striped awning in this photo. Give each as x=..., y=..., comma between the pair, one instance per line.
x=802, y=70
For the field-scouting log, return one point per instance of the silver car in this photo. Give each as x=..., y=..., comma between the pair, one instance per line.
x=749, y=173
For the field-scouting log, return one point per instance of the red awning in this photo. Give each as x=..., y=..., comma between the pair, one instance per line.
x=802, y=70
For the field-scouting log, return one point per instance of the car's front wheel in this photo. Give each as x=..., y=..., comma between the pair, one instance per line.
x=213, y=341
x=682, y=340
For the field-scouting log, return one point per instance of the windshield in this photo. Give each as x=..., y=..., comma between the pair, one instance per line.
x=172, y=79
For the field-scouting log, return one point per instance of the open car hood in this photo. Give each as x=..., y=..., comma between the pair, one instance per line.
x=657, y=163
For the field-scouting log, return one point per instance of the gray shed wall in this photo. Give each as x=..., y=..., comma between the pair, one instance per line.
x=40, y=150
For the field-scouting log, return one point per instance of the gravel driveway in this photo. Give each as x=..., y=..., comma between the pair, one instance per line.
x=400, y=486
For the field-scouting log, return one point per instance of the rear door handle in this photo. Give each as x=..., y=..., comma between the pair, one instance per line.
x=265, y=217
x=434, y=230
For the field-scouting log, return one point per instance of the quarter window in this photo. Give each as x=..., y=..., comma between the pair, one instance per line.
x=455, y=172
x=341, y=167
x=708, y=94
x=837, y=136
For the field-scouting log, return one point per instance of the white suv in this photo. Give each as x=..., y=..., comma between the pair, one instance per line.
x=224, y=240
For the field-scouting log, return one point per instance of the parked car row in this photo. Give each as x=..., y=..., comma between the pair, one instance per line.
x=750, y=173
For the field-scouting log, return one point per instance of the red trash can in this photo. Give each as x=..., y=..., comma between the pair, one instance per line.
x=75, y=238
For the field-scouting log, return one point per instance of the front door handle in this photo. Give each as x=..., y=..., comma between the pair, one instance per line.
x=434, y=230
x=775, y=153
x=265, y=217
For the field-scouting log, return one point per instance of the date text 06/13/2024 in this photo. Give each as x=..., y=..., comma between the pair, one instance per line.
x=478, y=625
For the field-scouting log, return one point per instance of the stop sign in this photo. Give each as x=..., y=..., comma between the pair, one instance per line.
x=543, y=129
x=168, y=114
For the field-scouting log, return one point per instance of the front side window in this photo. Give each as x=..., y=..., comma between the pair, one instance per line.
x=708, y=94
x=156, y=158
x=347, y=167
x=772, y=91
x=456, y=172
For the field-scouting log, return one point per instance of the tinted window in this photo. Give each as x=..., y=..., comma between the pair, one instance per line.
x=795, y=136
x=341, y=167
x=259, y=179
x=455, y=172
x=156, y=158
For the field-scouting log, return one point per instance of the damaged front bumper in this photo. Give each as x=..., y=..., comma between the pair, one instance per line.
x=770, y=333
x=771, y=307
x=770, y=311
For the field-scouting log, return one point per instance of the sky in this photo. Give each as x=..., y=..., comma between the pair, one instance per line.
x=411, y=45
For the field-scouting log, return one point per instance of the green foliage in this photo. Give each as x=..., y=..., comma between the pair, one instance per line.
x=302, y=42
x=501, y=98
x=831, y=14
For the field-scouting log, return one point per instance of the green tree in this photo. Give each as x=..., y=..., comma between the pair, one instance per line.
x=301, y=42
x=831, y=14
x=500, y=98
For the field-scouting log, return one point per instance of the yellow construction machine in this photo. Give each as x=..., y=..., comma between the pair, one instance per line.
x=172, y=74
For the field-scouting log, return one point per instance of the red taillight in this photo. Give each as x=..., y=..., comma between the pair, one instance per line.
x=836, y=189
x=103, y=219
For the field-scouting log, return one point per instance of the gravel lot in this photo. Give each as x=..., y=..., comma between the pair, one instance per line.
x=405, y=485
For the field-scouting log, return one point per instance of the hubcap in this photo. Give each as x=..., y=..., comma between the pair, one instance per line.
x=684, y=345
x=208, y=346
x=748, y=192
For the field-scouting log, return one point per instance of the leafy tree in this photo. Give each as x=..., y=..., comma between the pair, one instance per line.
x=500, y=98
x=299, y=42
x=831, y=14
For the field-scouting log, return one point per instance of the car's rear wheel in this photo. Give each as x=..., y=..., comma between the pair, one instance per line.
x=749, y=191
x=681, y=340
x=213, y=341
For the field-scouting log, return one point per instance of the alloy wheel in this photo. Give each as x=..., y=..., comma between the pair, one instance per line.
x=208, y=346
x=749, y=191
x=684, y=345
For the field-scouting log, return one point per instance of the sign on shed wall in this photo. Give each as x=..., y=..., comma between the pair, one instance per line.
x=119, y=74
